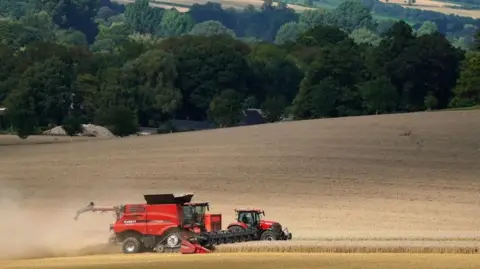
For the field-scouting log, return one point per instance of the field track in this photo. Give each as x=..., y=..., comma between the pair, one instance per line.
x=390, y=183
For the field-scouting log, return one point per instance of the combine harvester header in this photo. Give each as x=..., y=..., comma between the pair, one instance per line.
x=169, y=223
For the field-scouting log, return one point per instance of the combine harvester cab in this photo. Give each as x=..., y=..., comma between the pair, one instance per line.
x=168, y=223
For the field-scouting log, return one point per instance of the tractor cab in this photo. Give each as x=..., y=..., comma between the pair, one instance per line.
x=251, y=217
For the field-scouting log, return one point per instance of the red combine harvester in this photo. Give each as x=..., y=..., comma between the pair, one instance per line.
x=168, y=223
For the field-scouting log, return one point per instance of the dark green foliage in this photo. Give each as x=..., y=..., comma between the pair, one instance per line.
x=64, y=63
x=21, y=116
x=352, y=14
x=379, y=95
x=72, y=125
x=225, y=108
x=120, y=120
x=206, y=66
x=477, y=41
x=45, y=88
x=467, y=90
x=143, y=18
x=210, y=28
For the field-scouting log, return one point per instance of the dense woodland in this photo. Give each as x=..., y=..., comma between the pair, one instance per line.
x=90, y=61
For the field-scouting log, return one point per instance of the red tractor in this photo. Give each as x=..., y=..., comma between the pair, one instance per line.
x=168, y=223
x=248, y=219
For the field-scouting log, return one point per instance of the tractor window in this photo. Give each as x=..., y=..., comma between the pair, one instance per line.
x=250, y=218
x=257, y=218
x=245, y=217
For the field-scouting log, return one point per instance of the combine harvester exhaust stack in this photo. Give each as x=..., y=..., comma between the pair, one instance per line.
x=169, y=223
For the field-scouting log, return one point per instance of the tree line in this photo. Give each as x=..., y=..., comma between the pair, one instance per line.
x=458, y=29
x=146, y=66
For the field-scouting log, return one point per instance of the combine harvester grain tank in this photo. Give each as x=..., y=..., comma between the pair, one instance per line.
x=169, y=223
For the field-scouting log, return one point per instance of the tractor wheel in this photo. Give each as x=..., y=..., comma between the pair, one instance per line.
x=131, y=245
x=268, y=236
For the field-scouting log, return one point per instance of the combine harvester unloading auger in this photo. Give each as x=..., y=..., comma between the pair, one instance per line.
x=169, y=223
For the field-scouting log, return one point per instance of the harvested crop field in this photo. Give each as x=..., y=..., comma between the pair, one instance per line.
x=238, y=4
x=256, y=260
x=401, y=183
x=438, y=6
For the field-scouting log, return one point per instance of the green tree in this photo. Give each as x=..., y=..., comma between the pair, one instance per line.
x=329, y=88
x=48, y=88
x=88, y=95
x=379, y=95
x=104, y=13
x=41, y=23
x=321, y=35
x=276, y=79
x=142, y=17
x=149, y=84
x=467, y=91
x=120, y=120
x=210, y=28
x=205, y=65
x=316, y=100
x=71, y=38
x=310, y=42
x=110, y=38
x=17, y=35
x=427, y=28
x=76, y=14
x=289, y=32
x=477, y=40
x=274, y=108
x=21, y=114
x=225, y=108
x=313, y=17
x=431, y=101
x=428, y=64
x=174, y=23
x=365, y=36
x=72, y=124
x=352, y=14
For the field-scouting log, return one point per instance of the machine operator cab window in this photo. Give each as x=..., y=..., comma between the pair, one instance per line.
x=194, y=214
x=251, y=218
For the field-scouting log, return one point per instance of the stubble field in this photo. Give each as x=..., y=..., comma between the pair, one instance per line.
x=390, y=183
x=438, y=6
x=238, y=4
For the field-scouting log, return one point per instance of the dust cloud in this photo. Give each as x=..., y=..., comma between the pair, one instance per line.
x=47, y=232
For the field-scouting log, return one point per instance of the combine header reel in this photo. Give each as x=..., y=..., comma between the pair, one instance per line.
x=169, y=223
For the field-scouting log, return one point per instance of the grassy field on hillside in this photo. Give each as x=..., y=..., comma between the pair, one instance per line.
x=390, y=176
x=441, y=7
x=183, y=5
